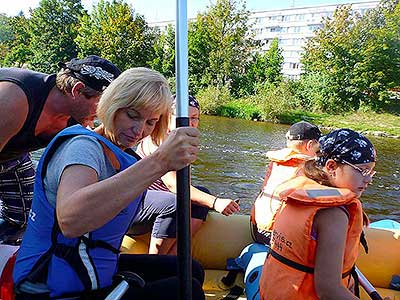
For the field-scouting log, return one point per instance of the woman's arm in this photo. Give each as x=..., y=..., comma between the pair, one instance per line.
x=331, y=226
x=84, y=203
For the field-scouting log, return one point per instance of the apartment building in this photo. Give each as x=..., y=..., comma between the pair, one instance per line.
x=293, y=27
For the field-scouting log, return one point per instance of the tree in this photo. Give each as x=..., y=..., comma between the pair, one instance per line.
x=5, y=36
x=114, y=32
x=220, y=46
x=378, y=67
x=359, y=55
x=5, y=28
x=53, y=28
x=164, y=53
x=333, y=52
x=274, y=58
x=17, y=43
x=264, y=68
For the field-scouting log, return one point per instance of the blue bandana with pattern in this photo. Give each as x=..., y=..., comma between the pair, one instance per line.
x=345, y=144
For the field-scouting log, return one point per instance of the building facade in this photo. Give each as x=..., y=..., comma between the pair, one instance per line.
x=292, y=27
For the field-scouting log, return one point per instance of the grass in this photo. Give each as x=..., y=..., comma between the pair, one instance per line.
x=383, y=124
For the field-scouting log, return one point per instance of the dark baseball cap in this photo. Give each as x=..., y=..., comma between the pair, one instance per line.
x=192, y=101
x=303, y=131
x=94, y=71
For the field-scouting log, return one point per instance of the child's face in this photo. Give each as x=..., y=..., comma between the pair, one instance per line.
x=194, y=116
x=351, y=177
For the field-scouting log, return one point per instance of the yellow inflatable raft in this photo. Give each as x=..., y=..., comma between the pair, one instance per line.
x=222, y=237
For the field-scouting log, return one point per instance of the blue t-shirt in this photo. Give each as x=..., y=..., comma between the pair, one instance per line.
x=79, y=150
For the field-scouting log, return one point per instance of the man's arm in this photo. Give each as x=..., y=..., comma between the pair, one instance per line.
x=13, y=112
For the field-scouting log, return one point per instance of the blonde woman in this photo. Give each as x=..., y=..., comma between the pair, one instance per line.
x=88, y=191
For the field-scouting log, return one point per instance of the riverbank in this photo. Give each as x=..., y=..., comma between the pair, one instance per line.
x=279, y=105
x=370, y=123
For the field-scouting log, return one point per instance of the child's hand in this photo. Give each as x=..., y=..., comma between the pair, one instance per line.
x=226, y=207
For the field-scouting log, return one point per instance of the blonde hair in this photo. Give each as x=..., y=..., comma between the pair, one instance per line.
x=296, y=144
x=137, y=88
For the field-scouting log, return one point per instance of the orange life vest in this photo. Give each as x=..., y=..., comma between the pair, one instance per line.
x=285, y=164
x=291, y=261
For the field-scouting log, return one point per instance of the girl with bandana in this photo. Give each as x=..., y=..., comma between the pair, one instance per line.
x=317, y=229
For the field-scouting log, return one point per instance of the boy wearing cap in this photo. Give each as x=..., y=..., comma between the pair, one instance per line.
x=201, y=198
x=34, y=108
x=285, y=164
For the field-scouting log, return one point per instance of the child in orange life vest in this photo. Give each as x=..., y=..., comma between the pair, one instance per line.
x=317, y=229
x=285, y=164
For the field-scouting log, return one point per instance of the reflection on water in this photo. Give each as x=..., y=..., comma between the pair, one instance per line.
x=232, y=164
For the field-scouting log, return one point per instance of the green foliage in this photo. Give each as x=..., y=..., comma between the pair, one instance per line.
x=5, y=28
x=378, y=69
x=114, y=32
x=263, y=67
x=199, y=50
x=212, y=98
x=164, y=53
x=52, y=29
x=268, y=104
x=357, y=57
x=17, y=47
x=5, y=37
x=274, y=58
x=241, y=109
x=273, y=100
x=219, y=46
x=316, y=93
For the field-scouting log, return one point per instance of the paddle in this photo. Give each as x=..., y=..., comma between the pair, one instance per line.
x=182, y=180
x=368, y=287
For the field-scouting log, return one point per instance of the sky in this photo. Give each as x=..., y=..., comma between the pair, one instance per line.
x=164, y=10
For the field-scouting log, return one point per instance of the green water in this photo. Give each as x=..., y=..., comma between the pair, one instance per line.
x=232, y=164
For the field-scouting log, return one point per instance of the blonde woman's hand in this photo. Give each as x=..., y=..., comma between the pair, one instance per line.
x=179, y=149
x=226, y=207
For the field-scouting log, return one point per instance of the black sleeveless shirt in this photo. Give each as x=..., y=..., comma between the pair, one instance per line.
x=36, y=87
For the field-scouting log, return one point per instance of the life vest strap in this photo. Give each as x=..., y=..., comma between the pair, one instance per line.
x=364, y=242
x=301, y=267
x=98, y=244
x=291, y=263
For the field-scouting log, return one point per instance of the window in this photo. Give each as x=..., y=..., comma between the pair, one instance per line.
x=275, y=29
x=312, y=28
x=297, y=41
x=286, y=18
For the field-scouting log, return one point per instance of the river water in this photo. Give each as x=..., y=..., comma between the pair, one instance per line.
x=232, y=164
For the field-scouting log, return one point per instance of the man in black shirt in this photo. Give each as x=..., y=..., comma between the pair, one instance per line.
x=34, y=108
